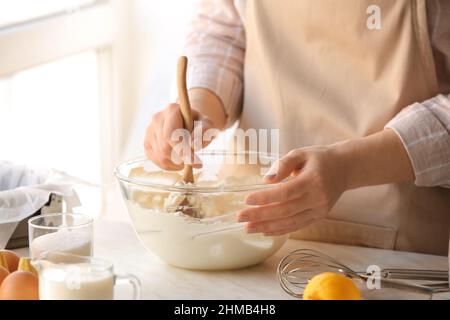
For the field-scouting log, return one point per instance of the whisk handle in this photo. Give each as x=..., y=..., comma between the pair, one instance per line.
x=409, y=287
x=415, y=274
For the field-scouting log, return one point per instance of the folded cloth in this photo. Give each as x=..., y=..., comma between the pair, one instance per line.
x=23, y=191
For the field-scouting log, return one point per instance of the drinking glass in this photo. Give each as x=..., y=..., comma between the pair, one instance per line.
x=62, y=232
x=65, y=276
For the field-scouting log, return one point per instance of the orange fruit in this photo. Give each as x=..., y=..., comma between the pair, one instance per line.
x=331, y=286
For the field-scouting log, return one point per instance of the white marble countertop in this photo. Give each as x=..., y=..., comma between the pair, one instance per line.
x=117, y=242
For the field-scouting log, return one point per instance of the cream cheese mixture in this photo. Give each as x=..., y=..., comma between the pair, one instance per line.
x=214, y=242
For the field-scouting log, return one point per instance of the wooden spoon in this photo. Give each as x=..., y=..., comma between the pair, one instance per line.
x=188, y=123
x=185, y=108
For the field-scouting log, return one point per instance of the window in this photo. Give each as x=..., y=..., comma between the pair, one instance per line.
x=20, y=11
x=58, y=89
x=47, y=111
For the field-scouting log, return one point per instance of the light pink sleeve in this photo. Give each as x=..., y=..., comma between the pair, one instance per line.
x=424, y=129
x=215, y=47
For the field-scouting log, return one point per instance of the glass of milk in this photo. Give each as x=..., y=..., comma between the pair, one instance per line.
x=65, y=276
x=63, y=232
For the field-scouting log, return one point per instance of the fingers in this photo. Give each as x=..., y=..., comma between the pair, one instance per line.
x=283, y=167
x=289, y=230
x=173, y=139
x=282, y=226
x=280, y=218
x=298, y=202
x=154, y=154
x=152, y=150
x=204, y=132
x=286, y=191
x=164, y=140
x=156, y=147
x=274, y=211
x=172, y=121
x=183, y=149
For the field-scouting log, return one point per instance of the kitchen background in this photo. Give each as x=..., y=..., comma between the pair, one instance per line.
x=79, y=81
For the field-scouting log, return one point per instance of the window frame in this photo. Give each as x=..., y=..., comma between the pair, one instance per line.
x=100, y=26
x=21, y=45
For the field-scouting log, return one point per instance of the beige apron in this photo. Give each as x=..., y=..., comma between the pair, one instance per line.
x=314, y=70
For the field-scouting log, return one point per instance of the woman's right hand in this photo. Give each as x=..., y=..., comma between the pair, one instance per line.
x=159, y=141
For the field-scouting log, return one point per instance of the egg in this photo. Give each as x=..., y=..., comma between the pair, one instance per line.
x=20, y=285
x=12, y=259
x=3, y=274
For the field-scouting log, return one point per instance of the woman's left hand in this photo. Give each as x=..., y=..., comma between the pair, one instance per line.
x=318, y=182
x=320, y=175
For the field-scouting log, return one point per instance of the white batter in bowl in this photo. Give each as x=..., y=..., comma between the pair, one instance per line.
x=214, y=242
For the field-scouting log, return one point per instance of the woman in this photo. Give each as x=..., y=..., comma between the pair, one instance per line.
x=360, y=92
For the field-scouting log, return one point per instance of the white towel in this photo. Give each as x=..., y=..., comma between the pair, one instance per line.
x=23, y=191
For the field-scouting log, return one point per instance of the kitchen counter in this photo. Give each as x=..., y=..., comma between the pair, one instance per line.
x=117, y=242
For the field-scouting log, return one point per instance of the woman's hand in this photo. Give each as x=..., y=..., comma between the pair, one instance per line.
x=316, y=185
x=159, y=143
x=320, y=176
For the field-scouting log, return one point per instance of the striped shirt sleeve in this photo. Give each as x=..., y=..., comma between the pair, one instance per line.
x=424, y=129
x=215, y=46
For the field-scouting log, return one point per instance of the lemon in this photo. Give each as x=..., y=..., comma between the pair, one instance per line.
x=331, y=286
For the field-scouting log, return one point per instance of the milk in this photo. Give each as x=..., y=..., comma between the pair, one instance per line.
x=76, y=282
x=72, y=242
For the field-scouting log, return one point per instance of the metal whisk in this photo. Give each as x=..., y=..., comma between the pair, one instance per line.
x=295, y=270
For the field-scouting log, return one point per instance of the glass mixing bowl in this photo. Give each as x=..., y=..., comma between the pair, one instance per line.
x=157, y=203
